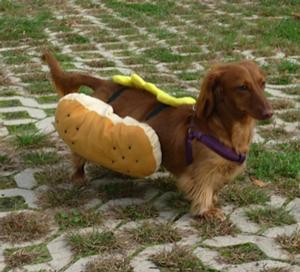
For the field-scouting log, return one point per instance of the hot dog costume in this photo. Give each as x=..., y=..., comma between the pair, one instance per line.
x=92, y=130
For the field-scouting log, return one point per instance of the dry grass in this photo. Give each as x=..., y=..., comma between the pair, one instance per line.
x=155, y=233
x=281, y=104
x=290, y=242
x=23, y=227
x=208, y=229
x=179, y=259
x=109, y=265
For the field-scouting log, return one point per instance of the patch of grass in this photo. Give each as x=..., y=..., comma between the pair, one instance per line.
x=7, y=182
x=293, y=91
x=244, y=194
x=290, y=116
x=32, y=140
x=209, y=229
x=23, y=227
x=16, y=257
x=10, y=103
x=47, y=99
x=12, y=203
x=93, y=243
x=50, y=112
x=119, y=190
x=162, y=55
x=74, y=38
x=14, y=115
x=287, y=66
x=274, y=133
x=20, y=129
x=109, y=265
x=136, y=212
x=270, y=217
x=189, y=76
x=291, y=243
x=241, y=254
x=155, y=233
x=271, y=164
x=282, y=104
x=179, y=259
x=275, y=269
x=21, y=27
x=265, y=122
x=40, y=158
x=100, y=63
x=52, y=175
x=76, y=218
x=40, y=87
x=17, y=59
x=61, y=197
x=179, y=203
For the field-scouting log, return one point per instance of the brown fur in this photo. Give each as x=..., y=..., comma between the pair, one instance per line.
x=223, y=109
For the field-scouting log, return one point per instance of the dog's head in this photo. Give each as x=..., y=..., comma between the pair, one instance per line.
x=239, y=86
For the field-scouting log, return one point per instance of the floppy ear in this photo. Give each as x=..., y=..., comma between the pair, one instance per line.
x=205, y=103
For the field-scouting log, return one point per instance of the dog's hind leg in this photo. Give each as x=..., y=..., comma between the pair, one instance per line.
x=78, y=177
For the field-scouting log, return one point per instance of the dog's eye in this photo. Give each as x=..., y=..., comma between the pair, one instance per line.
x=242, y=88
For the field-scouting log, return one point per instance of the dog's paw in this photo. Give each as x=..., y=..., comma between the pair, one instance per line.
x=214, y=213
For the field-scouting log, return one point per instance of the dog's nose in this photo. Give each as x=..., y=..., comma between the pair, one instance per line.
x=267, y=114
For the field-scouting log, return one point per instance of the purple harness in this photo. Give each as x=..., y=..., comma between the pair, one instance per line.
x=212, y=143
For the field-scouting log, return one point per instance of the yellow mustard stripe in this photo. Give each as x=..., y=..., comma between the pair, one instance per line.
x=136, y=81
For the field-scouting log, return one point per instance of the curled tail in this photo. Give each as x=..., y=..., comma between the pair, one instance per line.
x=68, y=82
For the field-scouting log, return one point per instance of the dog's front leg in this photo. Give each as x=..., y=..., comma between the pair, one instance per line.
x=202, y=194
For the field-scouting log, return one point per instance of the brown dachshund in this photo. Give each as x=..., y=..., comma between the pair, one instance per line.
x=231, y=98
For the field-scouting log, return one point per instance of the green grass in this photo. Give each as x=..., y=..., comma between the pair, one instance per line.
x=12, y=203
x=271, y=164
x=290, y=116
x=93, y=243
x=287, y=66
x=179, y=259
x=75, y=218
x=14, y=115
x=9, y=103
x=74, y=38
x=15, y=257
x=40, y=87
x=270, y=217
x=20, y=129
x=155, y=233
x=32, y=140
x=7, y=182
x=136, y=212
x=241, y=254
x=162, y=55
x=47, y=99
x=40, y=158
x=20, y=27
x=112, y=264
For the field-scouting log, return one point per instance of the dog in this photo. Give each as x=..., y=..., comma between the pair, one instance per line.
x=231, y=99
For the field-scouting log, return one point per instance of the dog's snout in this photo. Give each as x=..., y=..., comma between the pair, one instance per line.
x=267, y=113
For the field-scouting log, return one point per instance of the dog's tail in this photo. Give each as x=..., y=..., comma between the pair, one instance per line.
x=68, y=82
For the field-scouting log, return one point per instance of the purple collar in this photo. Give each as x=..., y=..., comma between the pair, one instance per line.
x=212, y=143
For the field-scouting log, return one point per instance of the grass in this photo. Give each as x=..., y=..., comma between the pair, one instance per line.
x=241, y=254
x=40, y=158
x=7, y=182
x=270, y=217
x=10, y=103
x=32, y=140
x=291, y=243
x=77, y=218
x=12, y=203
x=23, y=227
x=47, y=99
x=14, y=115
x=208, y=229
x=290, y=116
x=282, y=104
x=74, y=38
x=93, y=243
x=162, y=55
x=154, y=233
x=52, y=175
x=19, y=129
x=179, y=259
x=40, y=88
x=16, y=257
x=111, y=264
x=135, y=212
x=274, y=133
x=273, y=164
x=179, y=203
x=244, y=194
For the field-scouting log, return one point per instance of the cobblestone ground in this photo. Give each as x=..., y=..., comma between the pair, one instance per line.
x=120, y=224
